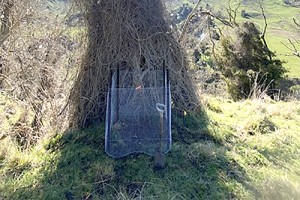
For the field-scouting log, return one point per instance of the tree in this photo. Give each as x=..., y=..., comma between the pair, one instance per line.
x=243, y=56
x=293, y=47
x=131, y=33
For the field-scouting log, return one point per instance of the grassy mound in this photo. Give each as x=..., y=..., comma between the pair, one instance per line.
x=246, y=149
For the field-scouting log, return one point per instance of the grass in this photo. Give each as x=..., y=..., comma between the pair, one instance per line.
x=231, y=150
x=292, y=63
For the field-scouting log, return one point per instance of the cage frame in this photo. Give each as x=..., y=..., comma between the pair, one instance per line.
x=108, y=122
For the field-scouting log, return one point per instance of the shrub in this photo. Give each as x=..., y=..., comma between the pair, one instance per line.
x=245, y=55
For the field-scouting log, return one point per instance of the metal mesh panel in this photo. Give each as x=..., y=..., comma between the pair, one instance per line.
x=133, y=121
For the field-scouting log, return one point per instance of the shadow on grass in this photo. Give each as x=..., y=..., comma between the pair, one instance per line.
x=196, y=168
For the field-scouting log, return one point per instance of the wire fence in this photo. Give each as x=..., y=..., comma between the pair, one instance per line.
x=138, y=113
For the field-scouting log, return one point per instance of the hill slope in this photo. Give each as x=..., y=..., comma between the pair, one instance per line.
x=280, y=29
x=246, y=149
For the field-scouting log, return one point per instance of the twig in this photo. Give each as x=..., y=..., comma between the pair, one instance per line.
x=223, y=21
x=294, y=50
x=296, y=22
x=232, y=17
x=264, y=31
x=186, y=23
x=212, y=41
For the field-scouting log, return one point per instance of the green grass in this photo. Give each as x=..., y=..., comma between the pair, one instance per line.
x=292, y=63
x=231, y=150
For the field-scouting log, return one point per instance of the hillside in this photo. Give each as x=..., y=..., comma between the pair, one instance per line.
x=224, y=149
x=279, y=18
x=241, y=150
x=280, y=24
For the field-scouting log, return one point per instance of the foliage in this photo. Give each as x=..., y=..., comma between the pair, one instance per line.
x=241, y=58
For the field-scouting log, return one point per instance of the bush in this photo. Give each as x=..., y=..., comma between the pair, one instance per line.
x=244, y=56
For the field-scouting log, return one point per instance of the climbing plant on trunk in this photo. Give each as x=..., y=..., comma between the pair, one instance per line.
x=132, y=33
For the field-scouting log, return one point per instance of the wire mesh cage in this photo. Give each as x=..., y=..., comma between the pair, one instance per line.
x=138, y=115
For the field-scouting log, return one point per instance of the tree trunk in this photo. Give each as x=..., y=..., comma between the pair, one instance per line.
x=134, y=33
